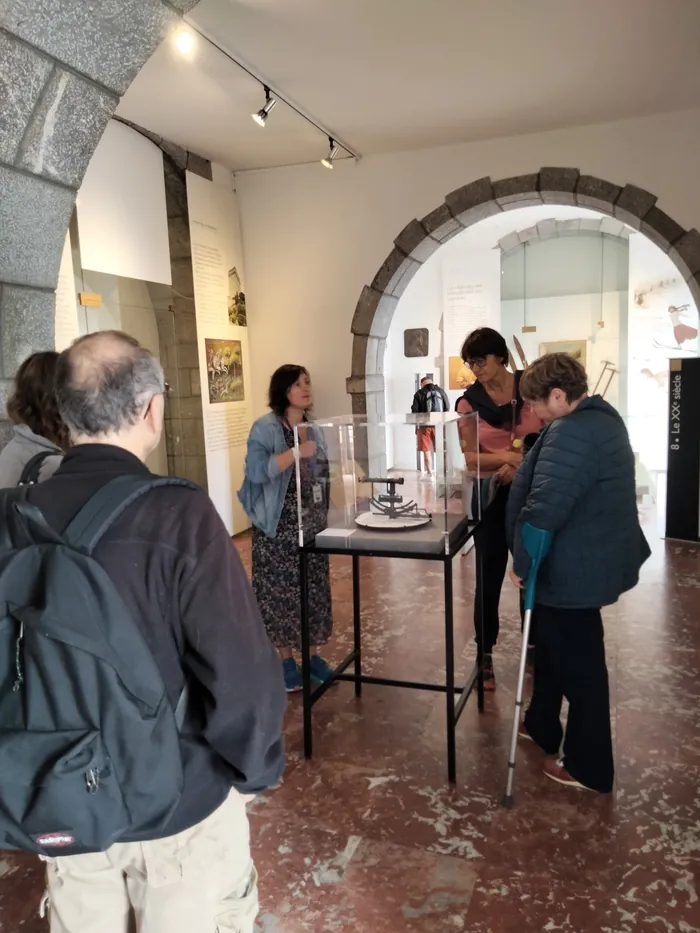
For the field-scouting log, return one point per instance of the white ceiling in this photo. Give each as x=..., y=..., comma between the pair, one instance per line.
x=386, y=75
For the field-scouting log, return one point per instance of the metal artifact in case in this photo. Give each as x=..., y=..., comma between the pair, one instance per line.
x=365, y=488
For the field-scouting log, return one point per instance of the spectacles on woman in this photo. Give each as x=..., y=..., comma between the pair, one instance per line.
x=477, y=363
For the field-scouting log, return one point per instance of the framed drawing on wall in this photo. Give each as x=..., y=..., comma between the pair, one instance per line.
x=575, y=348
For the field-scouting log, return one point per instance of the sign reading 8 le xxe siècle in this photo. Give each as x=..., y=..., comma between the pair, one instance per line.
x=683, y=485
x=675, y=419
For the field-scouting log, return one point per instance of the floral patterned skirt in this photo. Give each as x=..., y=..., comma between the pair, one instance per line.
x=276, y=583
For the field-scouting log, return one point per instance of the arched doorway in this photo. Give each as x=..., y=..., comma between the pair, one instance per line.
x=474, y=202
x=65, y=67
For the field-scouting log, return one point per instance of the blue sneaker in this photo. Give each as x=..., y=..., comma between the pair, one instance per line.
x=292, y=676
x=321, y=671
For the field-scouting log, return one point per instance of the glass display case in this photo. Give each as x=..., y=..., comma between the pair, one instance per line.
x=356, y=490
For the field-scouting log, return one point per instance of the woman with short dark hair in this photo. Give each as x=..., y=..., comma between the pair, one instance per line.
x=269, y=496
x=39, y=436
x=504, y=421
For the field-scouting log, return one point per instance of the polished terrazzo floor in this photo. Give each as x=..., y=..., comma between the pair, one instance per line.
x=369, y=835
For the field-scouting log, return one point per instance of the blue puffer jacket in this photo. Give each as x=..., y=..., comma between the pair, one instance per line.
x=578, y=482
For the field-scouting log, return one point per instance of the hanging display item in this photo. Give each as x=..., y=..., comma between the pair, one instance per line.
x=605, y=378
x=388, y=511
x=521, y=352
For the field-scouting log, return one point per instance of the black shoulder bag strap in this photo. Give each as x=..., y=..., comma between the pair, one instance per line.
x=32, y=468
x=101, y=511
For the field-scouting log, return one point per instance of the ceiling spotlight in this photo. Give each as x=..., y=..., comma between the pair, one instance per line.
x=184, y=41
x=332, y=153
x=261, y=116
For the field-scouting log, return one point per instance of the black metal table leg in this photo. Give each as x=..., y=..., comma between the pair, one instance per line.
x=305, y=653
x=450, y=673
x=357, y=632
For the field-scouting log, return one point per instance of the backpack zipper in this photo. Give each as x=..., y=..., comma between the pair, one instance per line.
x=92, y=780
x=19, y=676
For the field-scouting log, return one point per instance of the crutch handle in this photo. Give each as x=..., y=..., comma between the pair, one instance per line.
x=536, y=542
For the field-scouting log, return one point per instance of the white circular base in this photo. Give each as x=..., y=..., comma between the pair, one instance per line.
x=375, y=521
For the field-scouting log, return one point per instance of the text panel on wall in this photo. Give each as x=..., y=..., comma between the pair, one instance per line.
x=222, y=338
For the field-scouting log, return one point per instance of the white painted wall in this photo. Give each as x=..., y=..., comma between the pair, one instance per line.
x=126, y=306
x=312, y=238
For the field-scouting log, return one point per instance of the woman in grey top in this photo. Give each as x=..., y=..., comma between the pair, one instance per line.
x=38, y=428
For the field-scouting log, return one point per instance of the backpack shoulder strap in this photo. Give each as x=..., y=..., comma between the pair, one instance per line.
x=101, y=511
x=32, y=468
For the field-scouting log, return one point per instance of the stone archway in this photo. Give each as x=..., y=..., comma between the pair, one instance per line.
x=467, y=206
x=64, y=66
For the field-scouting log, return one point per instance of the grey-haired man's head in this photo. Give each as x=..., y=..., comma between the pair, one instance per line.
x=110, y=390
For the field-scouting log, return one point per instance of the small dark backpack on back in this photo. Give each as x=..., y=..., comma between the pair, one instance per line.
x=435, y=402
x=89, y=743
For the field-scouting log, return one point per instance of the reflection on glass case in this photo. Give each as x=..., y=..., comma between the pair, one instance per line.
x=359, y=488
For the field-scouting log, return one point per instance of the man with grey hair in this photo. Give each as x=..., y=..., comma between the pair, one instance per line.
x=173, y=564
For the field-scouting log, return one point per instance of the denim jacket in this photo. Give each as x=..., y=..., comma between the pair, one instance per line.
x=265, y=486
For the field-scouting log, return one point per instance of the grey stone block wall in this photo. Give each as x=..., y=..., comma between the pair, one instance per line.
x=483, y=198
x=64, y=64
x=177, y=330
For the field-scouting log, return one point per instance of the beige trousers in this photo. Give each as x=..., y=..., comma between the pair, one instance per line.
x=199, y=881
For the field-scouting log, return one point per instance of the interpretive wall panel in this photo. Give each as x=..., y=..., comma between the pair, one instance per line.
x=222, y=339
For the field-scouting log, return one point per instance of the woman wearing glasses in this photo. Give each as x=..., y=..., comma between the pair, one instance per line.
x=504, y=421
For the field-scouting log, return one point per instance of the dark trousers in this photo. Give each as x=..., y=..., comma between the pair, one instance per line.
x=492, y=556
x=570, y=662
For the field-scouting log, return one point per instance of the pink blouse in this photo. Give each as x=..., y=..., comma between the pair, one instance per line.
x=494, y=440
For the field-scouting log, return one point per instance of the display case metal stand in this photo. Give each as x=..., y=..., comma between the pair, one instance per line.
x=456, y=696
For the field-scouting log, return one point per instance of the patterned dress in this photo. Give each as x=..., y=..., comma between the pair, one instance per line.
x=276, y=563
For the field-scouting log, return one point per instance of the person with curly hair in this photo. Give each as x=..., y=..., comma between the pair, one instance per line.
x=39, y=437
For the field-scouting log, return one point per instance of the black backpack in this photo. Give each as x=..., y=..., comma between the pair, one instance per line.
x=435, y=402
x=89, y=743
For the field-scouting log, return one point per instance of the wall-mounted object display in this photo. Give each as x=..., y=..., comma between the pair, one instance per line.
x=521, y=352
x=605, y=378
x=575, y=348
x=683, y=488
x=460, y=376
x=416, y=341
x=225, y=370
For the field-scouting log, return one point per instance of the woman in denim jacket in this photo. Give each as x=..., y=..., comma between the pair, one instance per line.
x=269, y=497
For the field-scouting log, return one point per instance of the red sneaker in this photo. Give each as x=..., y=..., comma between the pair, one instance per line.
x=556, y=771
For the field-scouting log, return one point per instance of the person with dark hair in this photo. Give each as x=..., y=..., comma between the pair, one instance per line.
x=269, y=497
x=183, y=589
x=39, y=437
x=504, y=421
x=428, y=399
x=578, y=484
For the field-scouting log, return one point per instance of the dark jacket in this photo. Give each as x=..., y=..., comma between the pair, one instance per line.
x=430, y=398
x=578, y=482
x=176, y=568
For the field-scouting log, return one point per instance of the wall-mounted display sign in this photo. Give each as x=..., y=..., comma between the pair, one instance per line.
x=683, y=494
